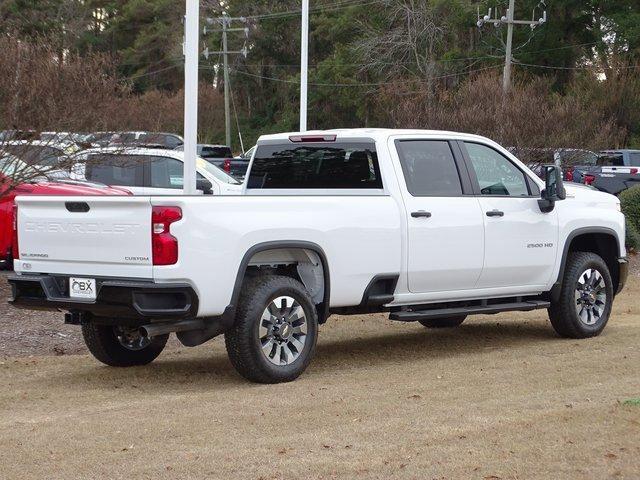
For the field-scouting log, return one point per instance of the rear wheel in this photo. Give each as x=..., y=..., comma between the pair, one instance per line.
x=122, y=346
x=586, y=297
x=275, y=331
x=450, y=322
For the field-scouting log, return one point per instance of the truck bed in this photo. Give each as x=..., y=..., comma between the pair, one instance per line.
x=111, y=237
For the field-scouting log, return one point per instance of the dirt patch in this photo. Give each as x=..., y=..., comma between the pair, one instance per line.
x=501, y=397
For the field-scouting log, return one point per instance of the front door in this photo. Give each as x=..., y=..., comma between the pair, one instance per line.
x=521, y=242
x=445, y=226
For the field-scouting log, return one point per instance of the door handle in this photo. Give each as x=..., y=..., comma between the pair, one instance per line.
x=495, y=213
x=421, y=214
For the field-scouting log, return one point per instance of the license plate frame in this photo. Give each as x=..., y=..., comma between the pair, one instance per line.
x=82, y=288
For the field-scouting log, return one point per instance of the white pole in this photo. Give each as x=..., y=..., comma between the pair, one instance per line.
x=304, y=65
x=191, y=58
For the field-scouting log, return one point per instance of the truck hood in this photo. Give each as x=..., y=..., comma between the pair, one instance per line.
x=585, y=193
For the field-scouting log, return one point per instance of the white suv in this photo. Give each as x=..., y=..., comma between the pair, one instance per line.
x=146, y=171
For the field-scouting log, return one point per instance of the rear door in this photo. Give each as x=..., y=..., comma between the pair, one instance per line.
x=521, y=242
x=445, y=226
x=99, y=236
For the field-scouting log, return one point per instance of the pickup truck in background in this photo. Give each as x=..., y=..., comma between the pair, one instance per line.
x=428, y=226
x=222, y=157
x=615, y=171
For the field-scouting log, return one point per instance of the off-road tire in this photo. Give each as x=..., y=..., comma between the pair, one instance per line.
x=563, y=314
x=243, y=339
x=450, y=322
x=104, y=345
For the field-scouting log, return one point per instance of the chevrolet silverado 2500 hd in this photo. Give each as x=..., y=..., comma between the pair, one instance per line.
x=429, y=226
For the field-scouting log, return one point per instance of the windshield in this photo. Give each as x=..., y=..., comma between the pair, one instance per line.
x=17, y=170
x=216, y=172
x=36, y=154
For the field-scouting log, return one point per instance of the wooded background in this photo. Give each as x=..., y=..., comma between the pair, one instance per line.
x=94, y=65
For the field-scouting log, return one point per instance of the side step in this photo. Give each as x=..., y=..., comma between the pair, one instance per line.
x=416, y=315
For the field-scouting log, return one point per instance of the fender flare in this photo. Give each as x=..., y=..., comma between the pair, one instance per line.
x=555, y=290
x=323, y=313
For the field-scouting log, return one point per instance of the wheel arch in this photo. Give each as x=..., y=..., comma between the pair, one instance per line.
x=290, y=246
x=599, y=240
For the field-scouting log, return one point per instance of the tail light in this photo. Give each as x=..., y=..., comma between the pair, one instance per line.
x=15, y=250
x=164, y=245
x=568, y=174
x=589, y=179
x=633, y=171
x=226, y=166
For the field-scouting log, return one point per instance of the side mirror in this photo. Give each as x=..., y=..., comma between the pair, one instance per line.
x=204, y=186
x=554, y=188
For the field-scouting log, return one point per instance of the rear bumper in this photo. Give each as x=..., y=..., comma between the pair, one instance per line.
x=116, y=298
x=623, y=273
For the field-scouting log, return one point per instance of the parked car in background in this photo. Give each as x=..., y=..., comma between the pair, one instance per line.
x=574, y=161
x=100, y=139
x=9, y=135
x=147, y=139
x=135, y=139
x=616, y=159
x=12, y=170
x=146, y=171
x=79, y=139
x=48, y=157
x=222, y=157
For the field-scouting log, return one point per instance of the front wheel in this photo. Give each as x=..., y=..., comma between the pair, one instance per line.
x=586, y=297
x=122, y=346
x=275, y=331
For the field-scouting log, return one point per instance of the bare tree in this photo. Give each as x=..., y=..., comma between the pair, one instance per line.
x=408, y=44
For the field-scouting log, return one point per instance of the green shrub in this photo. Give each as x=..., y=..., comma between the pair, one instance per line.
x=630, y=200
x=633, y=238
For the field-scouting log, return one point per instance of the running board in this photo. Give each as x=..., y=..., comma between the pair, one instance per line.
x=416, y=315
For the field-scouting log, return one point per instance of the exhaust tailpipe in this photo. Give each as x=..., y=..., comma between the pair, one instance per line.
x=156, y=329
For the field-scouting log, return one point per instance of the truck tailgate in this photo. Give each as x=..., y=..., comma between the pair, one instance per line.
x=98, y=236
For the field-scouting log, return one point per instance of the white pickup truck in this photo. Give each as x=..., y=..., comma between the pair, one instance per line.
x=429, y=226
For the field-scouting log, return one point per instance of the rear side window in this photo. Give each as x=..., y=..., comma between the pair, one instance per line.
x=316, y=166
x=429, y=168
x=166, y=172
x=634, y=159
x=216, y=152
x=119, y=170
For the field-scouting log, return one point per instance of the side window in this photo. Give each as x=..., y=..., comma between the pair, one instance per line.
x=166, y=173
x=496, y=174
x=634, y=159
x=118, y=170
x=429, y=168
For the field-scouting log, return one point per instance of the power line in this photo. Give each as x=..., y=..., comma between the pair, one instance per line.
x=322, y=8
x=585, y=67
x=376, y=84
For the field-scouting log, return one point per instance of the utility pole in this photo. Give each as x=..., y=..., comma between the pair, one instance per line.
x=304, y=66
x=191, y=55
x=510, y=21
x=227, y=23
x=227, y=107
x=506, y=79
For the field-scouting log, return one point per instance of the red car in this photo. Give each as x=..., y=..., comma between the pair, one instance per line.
x=8, y=194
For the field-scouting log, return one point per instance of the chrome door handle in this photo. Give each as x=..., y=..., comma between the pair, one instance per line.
x=421, y=214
